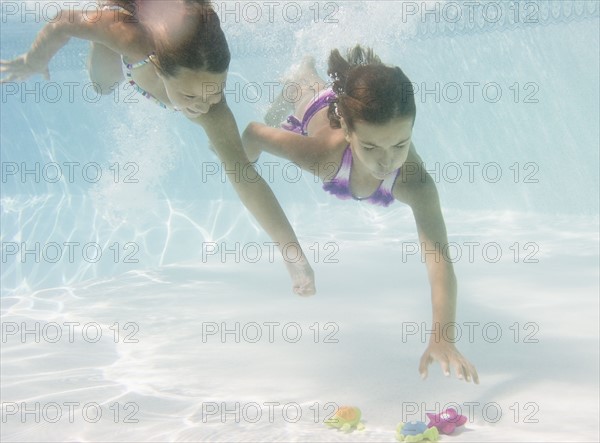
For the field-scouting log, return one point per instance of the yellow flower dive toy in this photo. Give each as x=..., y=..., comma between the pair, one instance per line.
x=346, y=418
x=416, y=431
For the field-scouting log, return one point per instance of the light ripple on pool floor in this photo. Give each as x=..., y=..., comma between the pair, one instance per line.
x=172, y=371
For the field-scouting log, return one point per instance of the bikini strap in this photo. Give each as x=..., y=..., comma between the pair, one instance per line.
x=346, y=165
x=340, y=184
x=324, y=99
x=139, y=64
x=132, y=82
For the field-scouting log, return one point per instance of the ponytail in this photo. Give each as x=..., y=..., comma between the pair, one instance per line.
x=367, y=90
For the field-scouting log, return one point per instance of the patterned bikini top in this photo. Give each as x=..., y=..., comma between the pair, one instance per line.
x=129, y=67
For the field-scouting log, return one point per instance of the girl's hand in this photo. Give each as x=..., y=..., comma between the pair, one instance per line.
x=448, y=357
x=21, y=68
x=303, y=277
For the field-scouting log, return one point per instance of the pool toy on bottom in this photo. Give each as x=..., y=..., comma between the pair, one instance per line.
x=346, y=418
x=446, y=421
x=416, y=431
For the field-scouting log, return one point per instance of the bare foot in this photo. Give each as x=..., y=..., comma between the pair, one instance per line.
x=278, y=111
x=302, y=75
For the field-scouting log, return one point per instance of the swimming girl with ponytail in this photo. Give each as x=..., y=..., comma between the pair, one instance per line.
x=174, y=53
x=362, y=126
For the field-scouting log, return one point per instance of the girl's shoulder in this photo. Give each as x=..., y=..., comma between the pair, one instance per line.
x=413, y=181
x=121, y=30
x=332, y=142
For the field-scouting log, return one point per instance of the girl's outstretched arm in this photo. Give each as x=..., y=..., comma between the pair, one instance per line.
x=419, y=191
x=222, y=130
x=107, y=28
x=305, y=152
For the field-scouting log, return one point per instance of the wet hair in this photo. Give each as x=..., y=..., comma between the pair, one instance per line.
x=127, y=4
x=186, y=34
x=368, y=90
x=134, y=6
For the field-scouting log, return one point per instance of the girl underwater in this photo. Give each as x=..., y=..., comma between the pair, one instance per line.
x=363, y=125
x=174, y=53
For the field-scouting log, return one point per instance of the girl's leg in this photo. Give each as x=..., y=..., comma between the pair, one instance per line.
x=307, y=86
x=105, y=68
x=302, y=85
x=278, y=111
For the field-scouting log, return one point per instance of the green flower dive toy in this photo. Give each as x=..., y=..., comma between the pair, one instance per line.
x=416, y=431
x=346, y=418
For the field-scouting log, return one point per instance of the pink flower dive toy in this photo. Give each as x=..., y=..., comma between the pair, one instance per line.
x=446, y=421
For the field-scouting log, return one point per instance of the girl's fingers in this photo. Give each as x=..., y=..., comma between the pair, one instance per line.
x=464, y=369
x=474, y=374
x=423, y=364
x=460, y=370
x=445, y=365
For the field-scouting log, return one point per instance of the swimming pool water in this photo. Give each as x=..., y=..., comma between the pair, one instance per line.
x=518, y=180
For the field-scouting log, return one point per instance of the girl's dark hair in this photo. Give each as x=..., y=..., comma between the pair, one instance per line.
x=134, y=6
x=367, y=90
x=186, y=34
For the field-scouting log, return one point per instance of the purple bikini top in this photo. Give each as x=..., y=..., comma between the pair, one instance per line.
x=340, y=184
x=324, y=99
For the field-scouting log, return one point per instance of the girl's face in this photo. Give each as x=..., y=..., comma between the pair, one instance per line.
x=382, y=149
x=193, y=92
